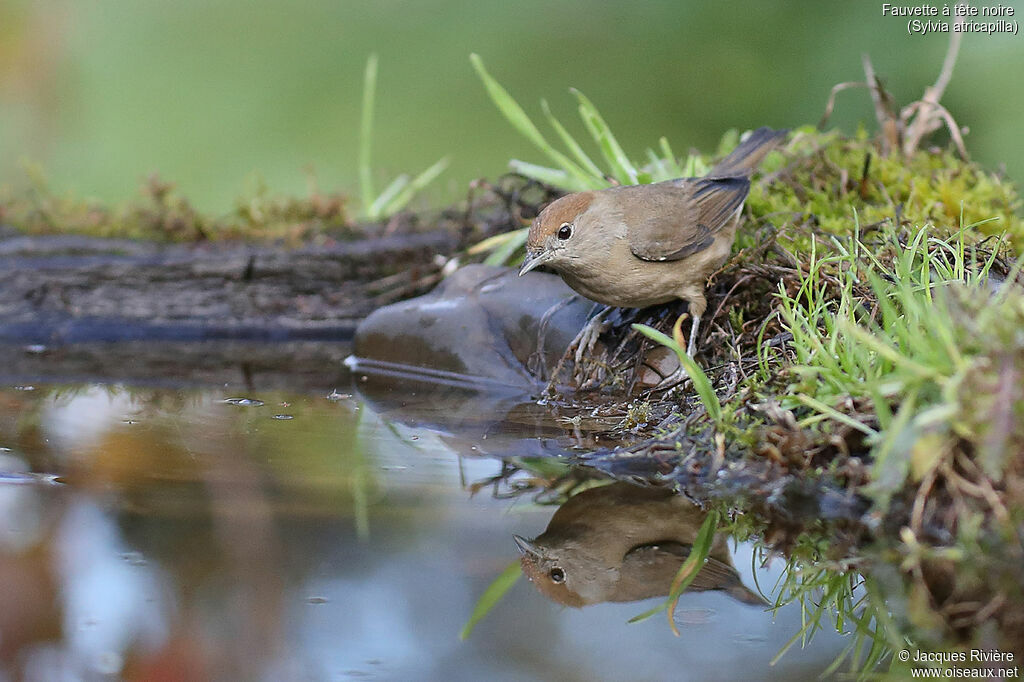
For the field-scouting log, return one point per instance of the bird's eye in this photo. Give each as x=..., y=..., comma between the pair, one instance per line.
x=565, y=231
x=557, y=575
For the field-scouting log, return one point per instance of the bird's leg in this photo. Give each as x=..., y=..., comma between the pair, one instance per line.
x=588, y=336
x=581, y=345
x=691, y=347
x=536, y=362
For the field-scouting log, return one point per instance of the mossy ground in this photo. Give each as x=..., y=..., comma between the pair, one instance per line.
x=825, y=177
x=161, y=214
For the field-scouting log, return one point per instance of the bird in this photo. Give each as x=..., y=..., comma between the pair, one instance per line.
x=640, y=245
x=624, y=542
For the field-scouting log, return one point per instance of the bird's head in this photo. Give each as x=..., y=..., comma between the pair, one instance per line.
x=555, y=235
x=549, y=573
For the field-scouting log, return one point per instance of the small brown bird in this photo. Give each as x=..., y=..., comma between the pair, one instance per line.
x=623, y=542
x=640, y=245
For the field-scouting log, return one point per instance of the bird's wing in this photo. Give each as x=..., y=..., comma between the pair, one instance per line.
x=660, y=559
x=672, y=225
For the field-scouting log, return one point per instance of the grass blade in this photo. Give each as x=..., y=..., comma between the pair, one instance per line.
x=375, y=211
x=669, y=158
x=570, y=142
x=691, y=567
x=513, y=242
x=548, y=176
x=405, y=195
x=622, y=168
x=493, y=242
x=401, y=190
x=366, y=130
x=701, y=383
x=491, y=596
x=687, y=572
x=835, y=414
x=515, y=115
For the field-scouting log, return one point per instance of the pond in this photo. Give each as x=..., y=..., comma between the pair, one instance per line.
x=290, y=520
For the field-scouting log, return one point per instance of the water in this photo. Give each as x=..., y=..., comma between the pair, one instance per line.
x=239, y=532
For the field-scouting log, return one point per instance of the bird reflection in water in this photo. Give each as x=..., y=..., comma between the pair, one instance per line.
x=622, y=542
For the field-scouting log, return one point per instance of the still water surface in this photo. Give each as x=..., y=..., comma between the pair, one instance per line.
x=234, y=532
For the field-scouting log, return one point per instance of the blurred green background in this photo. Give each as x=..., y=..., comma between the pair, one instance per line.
x=214, y=94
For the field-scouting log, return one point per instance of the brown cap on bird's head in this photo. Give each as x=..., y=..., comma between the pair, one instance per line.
x=559, y=212
x=559, y=215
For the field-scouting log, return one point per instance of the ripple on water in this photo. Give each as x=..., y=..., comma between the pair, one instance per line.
x=244, y=402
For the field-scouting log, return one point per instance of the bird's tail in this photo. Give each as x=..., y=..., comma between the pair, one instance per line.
x=742, y=593
x=744, y=159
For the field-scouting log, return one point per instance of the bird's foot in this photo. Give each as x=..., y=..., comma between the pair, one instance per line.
x=581, y=347
x=674, y=379
x=536, y=362
x=587, y=338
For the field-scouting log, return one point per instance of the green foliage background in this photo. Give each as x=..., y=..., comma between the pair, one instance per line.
x=212, y=95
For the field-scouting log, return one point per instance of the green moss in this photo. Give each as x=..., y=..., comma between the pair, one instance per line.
x=162, y=214
x=638, y=413
x=821, y=179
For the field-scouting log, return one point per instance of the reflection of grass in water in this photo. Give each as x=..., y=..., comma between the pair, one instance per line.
x=361, y=502
x=491, y=596
x=318, y=459
x=828, y=594
x=360, y=483
x=686, y=573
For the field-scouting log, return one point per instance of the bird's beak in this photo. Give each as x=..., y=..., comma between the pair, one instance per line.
x=526, y=547
x=534, y=260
